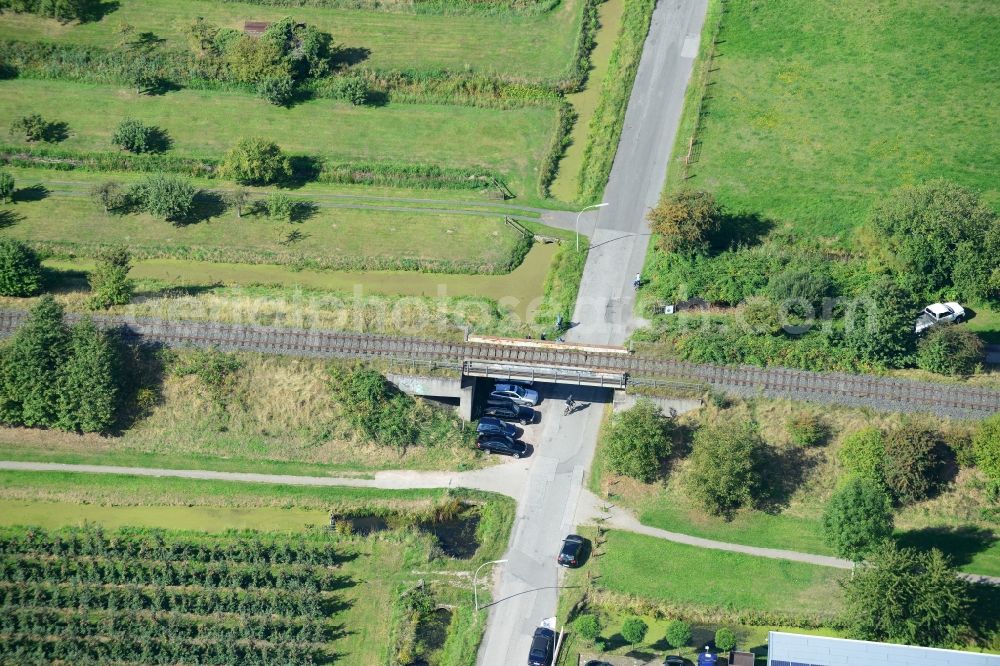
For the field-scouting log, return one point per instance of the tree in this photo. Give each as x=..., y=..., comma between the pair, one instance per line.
x=950, y=350
x=238, y=199
x=902, y=595
x=863, y=454
x=20, y=269
x=256, y=162
x=109, y=283
x=68, y=10
x=6, y=187
x=857, y=518
x=134, y=136
x=637, y=441
x=678, y=634
x=167, y=196
x=588, y=626
x=932, y=230
x=88, y=381
x=912, y=463
x=986, y=447
x=30, y=367
x=725, y=639
x=634, y=630
x=725, y=462
x=686, y=221
x=881, y=333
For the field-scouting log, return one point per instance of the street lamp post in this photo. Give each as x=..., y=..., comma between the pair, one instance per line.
x=475, y=585
x=577, y=225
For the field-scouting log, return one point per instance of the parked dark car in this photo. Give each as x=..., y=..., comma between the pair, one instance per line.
x=508, y=411
x=572, y=547
x=674, y=660
x=490, y=425
x=542, y=644
x=597, y=663
x=501, y=444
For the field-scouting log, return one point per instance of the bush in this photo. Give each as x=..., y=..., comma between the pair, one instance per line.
x=863, y=454
x=20, y=269
x=725, y=465
x=858, y=518
x=112, y=196
x=803, y=284
x=686, y=221
x=109, y=283
x=278, y=90
x=912, y=463
x=986, y=447
x=634, y=630
x=761, y=315
x=351, y=89
x=880, y=329
x=33, y=127
x=6, y=187
x=588, y=626
x=279, y=207
x=637, y=441
x=29, y=373
x=88, y=381
x=678, y=634
x=806, y=429
x=950, y=350
x=377, y=408
x=134, y=136
x=725, y=639
x=256, y=162
x=166, y=196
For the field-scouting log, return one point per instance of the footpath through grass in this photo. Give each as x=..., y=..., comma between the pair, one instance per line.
x=685, y=575
x=207, y=123
x=817, y=110
x=531, y=47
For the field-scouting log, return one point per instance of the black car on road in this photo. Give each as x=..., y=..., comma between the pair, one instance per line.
x=542, y=644
x=501, y=444
x=674, y=660
x=491, y=425
x=570, y=554
x=508, y=411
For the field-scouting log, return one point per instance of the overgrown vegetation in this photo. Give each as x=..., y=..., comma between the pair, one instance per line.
x=638, y=441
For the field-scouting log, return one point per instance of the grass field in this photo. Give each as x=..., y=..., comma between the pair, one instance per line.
x=528, y=47
x=817, y=110
x=329, y=237
x=200, y=124
x=695, y=576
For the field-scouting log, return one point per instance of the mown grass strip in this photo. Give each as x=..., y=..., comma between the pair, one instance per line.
x=609, y=116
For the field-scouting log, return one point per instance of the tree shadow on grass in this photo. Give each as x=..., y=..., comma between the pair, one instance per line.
x=207, y=204
x=304, y=169
x=740, y=230
x=985, y=616
x=961, y=544
x=9, y=218
x=347, y=56
x=55, y=131
x=99, y=10
x=31, y=193
x=783, y=471
x=302, y=211
x=158, y=140
x=60, y=280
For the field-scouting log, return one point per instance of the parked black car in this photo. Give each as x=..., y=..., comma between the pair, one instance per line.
x=674, y=660
x=572, y=547
x=490, y=425
x=542, y=644
x=501, y=444
x=508, y=411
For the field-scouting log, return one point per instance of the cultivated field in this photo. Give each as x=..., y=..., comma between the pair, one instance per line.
x=171, y=585
x=815, y=111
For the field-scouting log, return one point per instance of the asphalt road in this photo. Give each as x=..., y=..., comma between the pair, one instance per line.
x=526, y=589
x=619, y=238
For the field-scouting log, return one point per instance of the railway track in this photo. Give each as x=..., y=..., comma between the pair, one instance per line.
x=839, y=388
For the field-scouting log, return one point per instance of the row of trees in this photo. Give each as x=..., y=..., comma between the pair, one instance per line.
x=56, y=376
x=149, y=544
x=62, y=10
x=634, y=630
